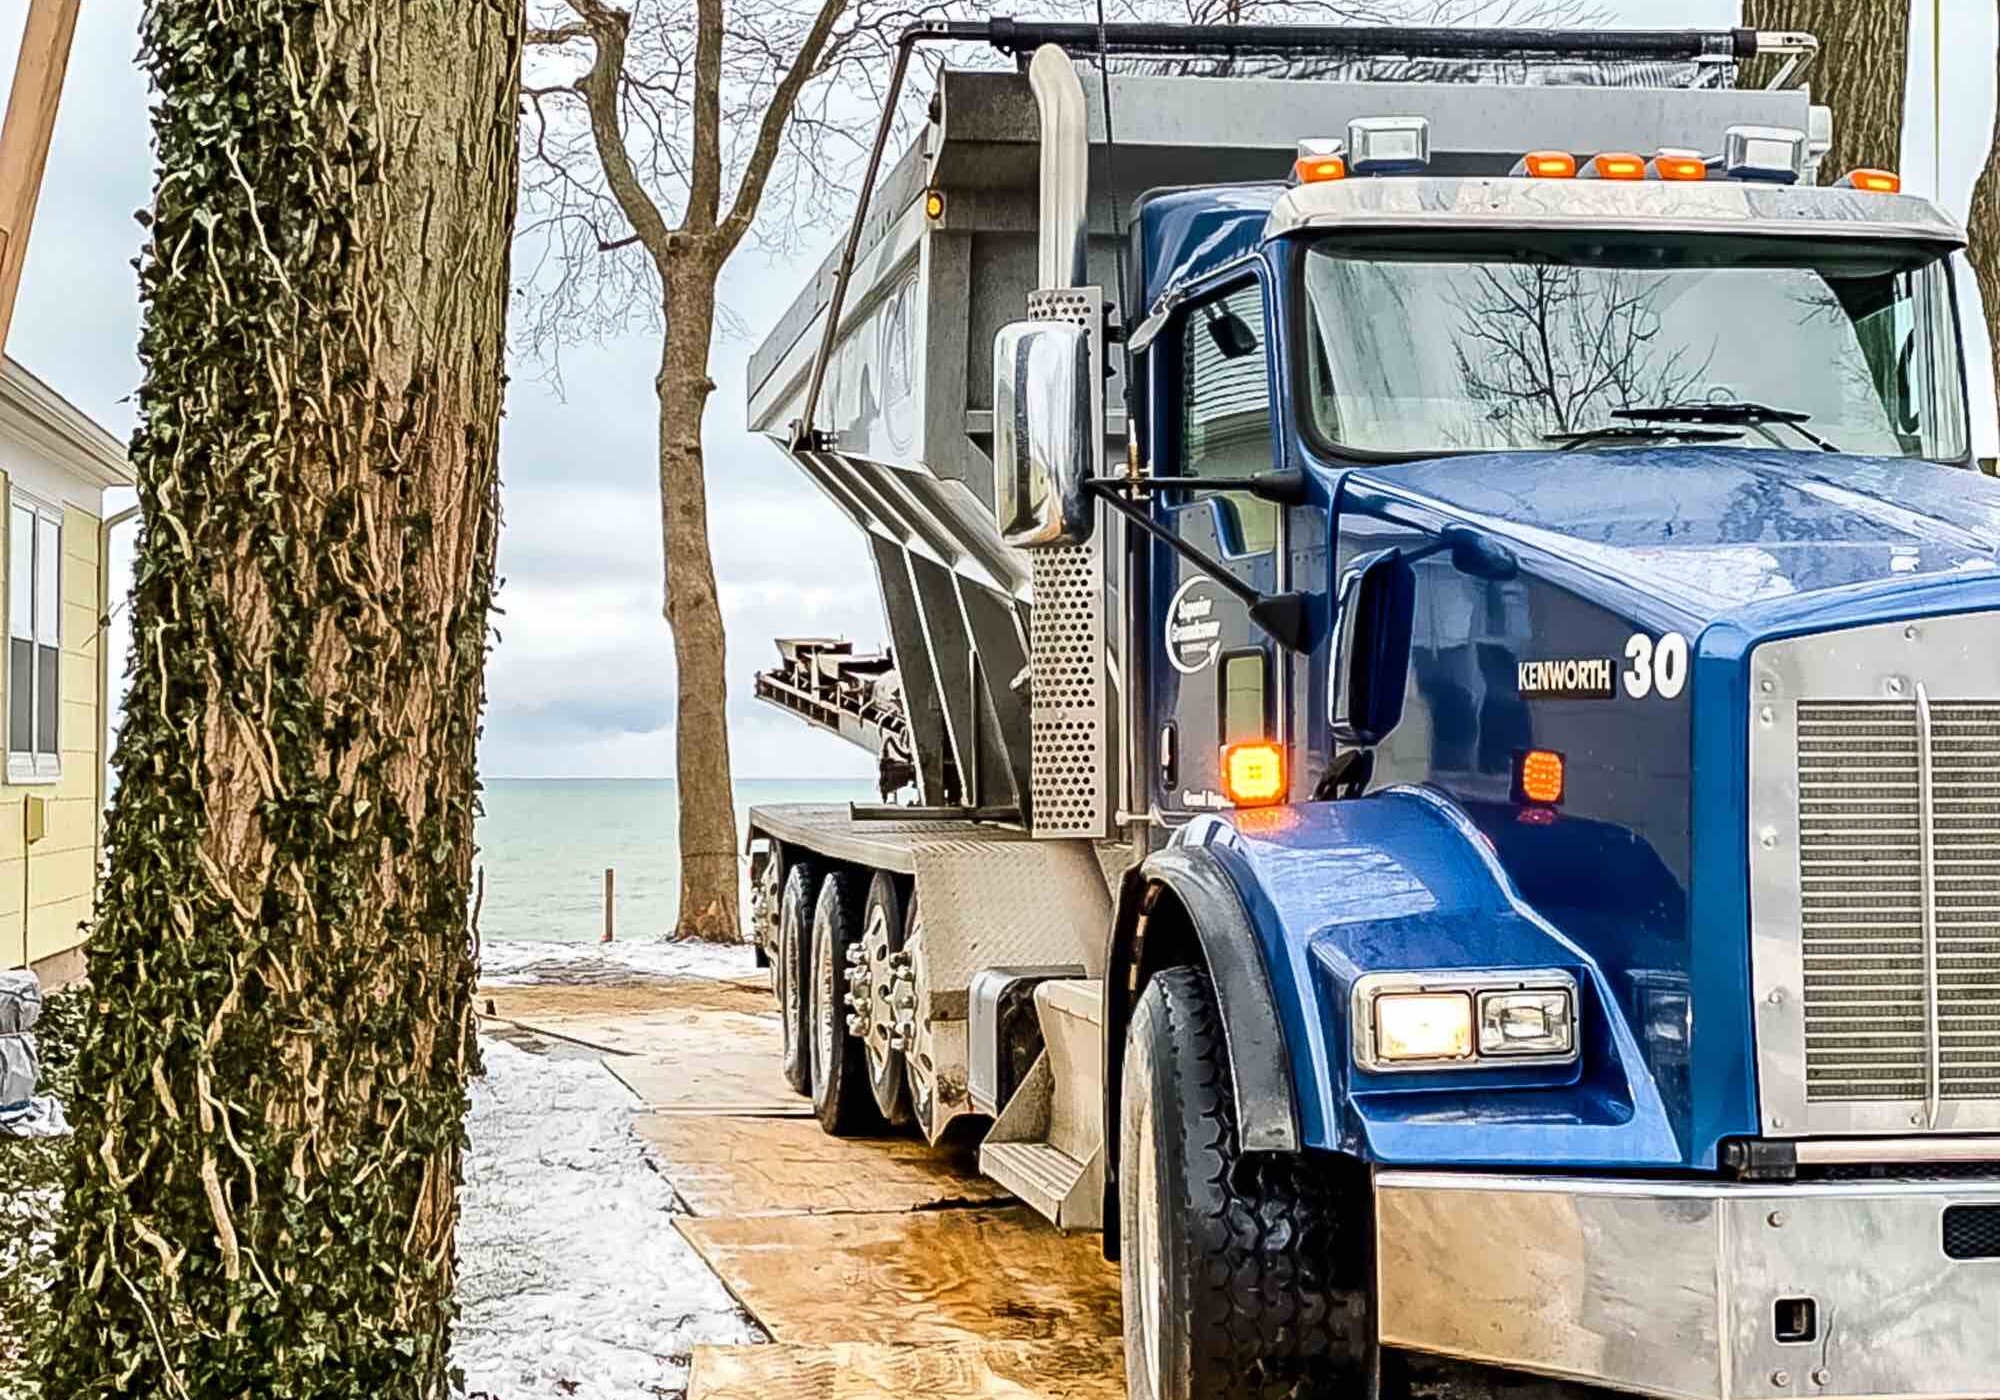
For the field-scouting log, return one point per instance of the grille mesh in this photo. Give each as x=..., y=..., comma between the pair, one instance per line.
x=1972, y=1232
x=1861, y=825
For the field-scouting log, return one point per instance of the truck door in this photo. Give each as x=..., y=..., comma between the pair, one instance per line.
x=1213, y=672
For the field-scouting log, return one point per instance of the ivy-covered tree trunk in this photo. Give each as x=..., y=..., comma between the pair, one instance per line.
x=270, y=1100
x=1860, y=73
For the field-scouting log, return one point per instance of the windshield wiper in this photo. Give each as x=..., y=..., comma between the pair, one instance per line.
x=1632, y=432
x=1751, y=415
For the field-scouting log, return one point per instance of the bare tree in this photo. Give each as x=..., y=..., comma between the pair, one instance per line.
x=654, y=139
x=271, y=1095
x=1860, y=72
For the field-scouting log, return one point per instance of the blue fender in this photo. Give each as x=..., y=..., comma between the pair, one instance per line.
x=1400, y=881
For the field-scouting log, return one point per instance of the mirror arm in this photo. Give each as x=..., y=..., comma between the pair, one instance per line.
x=1283, y=615
x=1285, y=488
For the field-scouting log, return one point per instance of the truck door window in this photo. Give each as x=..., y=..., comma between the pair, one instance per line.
x=1246, y=708
x=1226, y=408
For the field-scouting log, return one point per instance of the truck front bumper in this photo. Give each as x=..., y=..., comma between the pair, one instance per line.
x=1721, y=1291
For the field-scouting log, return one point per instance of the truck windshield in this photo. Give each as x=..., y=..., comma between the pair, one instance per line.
x=1584, y=343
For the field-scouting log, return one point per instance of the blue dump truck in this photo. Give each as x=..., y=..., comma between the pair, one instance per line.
x=1440, y=721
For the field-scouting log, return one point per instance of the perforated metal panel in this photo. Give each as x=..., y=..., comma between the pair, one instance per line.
x=1069, y=692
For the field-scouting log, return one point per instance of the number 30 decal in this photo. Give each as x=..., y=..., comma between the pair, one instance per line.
x=1655, y=666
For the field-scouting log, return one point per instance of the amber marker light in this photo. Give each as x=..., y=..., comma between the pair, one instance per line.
x=933, y=204
x=1313, y=170
x=1669, y=165
x=1618, y=165
x=1538, y=777
x=1253, y=775
x=1549, y=165
x=1874, y=181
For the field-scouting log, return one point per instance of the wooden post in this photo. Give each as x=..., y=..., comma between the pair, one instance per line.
x=610, y=895
x=24, y=139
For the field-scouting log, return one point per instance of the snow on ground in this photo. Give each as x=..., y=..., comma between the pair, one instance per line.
x=515, y=962
x=573, y=1282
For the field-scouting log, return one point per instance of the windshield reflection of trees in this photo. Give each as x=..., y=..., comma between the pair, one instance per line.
x=1553, y=349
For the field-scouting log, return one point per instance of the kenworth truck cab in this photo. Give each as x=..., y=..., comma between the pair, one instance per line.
x=1441, y=727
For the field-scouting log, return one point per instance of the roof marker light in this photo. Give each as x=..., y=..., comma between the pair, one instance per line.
x=1546, y=165
x=1388, y=145
x=1775, y=155
x=1614, y=165
x=1874, y=181
x=1678, y=165
x=1318, y=160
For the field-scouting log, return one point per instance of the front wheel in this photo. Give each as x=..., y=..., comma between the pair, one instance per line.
x=1246, y=1276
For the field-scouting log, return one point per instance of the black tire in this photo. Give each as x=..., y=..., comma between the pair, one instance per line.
x=1245, y=1276
x=842, y=1100
x=887, y=1077
x=792, y=974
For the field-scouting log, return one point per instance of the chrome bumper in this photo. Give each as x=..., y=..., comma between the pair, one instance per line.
x=1678, y=1289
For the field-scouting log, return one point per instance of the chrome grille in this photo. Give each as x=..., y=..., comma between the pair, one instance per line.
x=1899, y=898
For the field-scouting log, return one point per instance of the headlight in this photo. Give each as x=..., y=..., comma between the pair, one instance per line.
x=1472, y=1020
x=1526, y=1023
x=1423, y=1026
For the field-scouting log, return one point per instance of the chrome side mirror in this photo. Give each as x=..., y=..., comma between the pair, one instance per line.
x=1042, y=430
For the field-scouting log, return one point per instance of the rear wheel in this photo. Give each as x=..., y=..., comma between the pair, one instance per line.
x=792, y=970
x=874, y=984
x=842, y=1098
x=1246, y=1275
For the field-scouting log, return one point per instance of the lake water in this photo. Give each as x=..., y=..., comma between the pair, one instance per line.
x=544, y=844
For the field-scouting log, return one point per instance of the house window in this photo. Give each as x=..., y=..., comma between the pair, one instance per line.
x=34, y=640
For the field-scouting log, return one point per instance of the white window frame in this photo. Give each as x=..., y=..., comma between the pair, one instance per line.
x=33, y=766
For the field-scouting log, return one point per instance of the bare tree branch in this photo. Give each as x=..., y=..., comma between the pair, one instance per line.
x=777, y=114
x=608, y=28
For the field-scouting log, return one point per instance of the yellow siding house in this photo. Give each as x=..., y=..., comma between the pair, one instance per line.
x=55, y=466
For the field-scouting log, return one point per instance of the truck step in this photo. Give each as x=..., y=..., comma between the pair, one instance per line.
x=1060, y=1188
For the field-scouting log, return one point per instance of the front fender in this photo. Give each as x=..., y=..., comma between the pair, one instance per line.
x=1401, y=881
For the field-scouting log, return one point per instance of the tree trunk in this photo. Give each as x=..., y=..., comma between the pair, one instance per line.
x=1983, y=243
x=701, y=729
x=263, y=1200
x=1860, y=73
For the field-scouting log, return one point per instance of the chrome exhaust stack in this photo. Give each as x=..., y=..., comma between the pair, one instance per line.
x=1065, y=191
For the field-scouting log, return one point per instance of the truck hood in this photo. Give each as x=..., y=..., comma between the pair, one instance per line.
x=1711, y=530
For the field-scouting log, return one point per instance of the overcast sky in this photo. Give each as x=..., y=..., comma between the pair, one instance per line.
x=581, y=682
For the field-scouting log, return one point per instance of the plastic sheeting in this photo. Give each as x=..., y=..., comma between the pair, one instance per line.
x=20, y=1001
x=17, y=1070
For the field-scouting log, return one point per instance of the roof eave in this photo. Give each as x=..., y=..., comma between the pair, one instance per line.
x=54, y=424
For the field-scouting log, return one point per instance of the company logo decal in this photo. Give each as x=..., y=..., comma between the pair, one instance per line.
x=1650, y=668
x=1569, y=678
x=1194, y=632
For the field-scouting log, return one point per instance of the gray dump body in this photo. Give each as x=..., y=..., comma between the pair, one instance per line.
x=903, y=423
